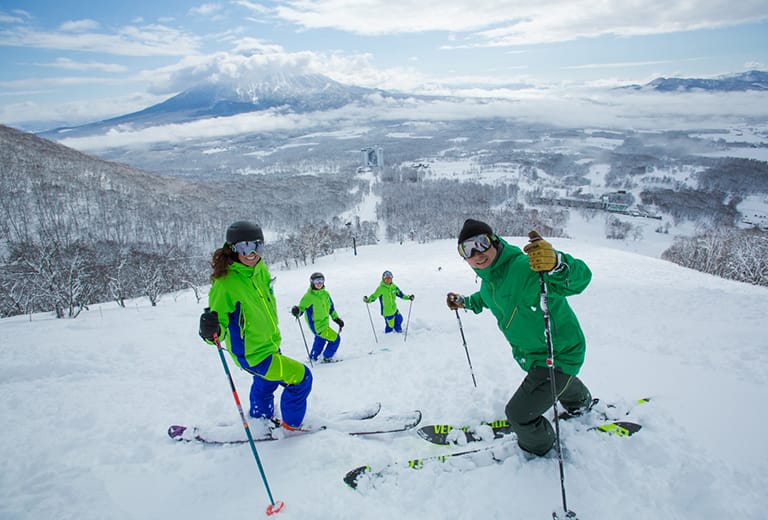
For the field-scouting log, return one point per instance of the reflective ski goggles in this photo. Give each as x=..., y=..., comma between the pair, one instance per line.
x=476, y=244
x=316, y=281
x=247, y=247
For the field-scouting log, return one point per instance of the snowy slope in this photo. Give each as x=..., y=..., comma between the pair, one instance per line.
x=86, y=403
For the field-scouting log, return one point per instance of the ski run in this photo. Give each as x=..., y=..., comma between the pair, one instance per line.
x=87, y=402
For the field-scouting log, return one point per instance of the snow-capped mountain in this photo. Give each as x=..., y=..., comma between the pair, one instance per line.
x=296, y=93
x=750, y=80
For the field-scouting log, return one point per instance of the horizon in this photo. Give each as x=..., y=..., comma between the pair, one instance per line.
x=87, y=62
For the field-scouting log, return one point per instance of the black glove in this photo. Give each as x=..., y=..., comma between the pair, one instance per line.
x=411, y=297
x=339, y=322
x=295, y=311
x=209, y=325
x=454, y=301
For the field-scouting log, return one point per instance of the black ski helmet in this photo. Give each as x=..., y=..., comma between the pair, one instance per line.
x=315, y=276
x=244, y=231
x=387, y=274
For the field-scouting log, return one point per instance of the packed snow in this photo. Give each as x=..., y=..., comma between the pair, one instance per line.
x=86, y=403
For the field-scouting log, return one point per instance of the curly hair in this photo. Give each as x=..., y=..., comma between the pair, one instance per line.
x=221, y=259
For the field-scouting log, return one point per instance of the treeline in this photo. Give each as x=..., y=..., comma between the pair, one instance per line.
x=75, y=230
x=735, y=254
x=48, y=275
x=436, y=209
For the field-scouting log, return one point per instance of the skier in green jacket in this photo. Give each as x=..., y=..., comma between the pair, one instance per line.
x=510, y=289
x=318, y=306
x=386, y=293
x=243, y=312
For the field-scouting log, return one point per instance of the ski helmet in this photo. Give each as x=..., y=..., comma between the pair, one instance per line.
x=244, y=231
x=316, y=276
x=387, y=274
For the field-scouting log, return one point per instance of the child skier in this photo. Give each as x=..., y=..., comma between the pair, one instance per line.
x=318, y=306
x=386, y=293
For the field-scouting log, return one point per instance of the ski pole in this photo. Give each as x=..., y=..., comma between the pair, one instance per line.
x=306, y=347
x=407, y=321
x=551, y=364
x=274, y=507
x=373, y=328
x=464, y=340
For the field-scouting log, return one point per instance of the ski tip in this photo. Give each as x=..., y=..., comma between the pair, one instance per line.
x=176, y=431
x=275, y=508
x=618, y=428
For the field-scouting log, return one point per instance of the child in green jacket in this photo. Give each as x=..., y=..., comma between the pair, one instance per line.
x=318, y=306
x=386, y=293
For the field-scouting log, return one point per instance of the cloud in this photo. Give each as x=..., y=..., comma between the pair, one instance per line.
x=79, y=26
x=253, y=6
x=18, y=16
x=129, y=40
x=504, y=22
x=47, y=116
x=206, y=9
x=564, y=108
x=68, y=64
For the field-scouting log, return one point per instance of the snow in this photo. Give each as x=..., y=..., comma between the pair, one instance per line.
x=86, y=403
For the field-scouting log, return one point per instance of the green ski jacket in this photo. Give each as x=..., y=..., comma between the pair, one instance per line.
x=247, y=310
x=318, y=306
x=386, y=293
x=510, y=289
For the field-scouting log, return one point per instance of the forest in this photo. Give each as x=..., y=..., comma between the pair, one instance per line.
x=76, y=230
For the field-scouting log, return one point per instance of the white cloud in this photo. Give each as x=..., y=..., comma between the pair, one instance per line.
x=79, y=26
x=586, y=108
x=131, y=40
x=206, y=9
x=252, y=6
x=503, y=22
x=68, y=64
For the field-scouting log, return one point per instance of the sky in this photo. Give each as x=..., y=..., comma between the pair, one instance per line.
x=74, y=62
x=87, y=403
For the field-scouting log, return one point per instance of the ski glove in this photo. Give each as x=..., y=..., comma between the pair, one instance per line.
x=365, y=299
x=339, y=322
x=209, y=325
x=295, y=311
x=541, y=255
x=411, y=297
x=454, y=301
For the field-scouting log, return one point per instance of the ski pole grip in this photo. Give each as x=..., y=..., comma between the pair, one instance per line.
x=533, y=236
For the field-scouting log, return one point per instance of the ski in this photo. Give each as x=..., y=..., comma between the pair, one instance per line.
x=446, y=434
x=354, y=426
x=483, y=456
x=233, y=434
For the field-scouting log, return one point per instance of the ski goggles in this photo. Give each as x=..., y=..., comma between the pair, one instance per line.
x=476, y=244
x=319, y=280
x=247, y=247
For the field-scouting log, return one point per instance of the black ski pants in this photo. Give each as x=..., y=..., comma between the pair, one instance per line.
x=525, y=409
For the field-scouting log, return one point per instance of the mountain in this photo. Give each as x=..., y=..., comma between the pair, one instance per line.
x=297, y=93
x=88, y=401
x=750, y=80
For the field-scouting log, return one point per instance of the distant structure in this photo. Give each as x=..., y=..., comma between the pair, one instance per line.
x=618, y=201
x=373, y=157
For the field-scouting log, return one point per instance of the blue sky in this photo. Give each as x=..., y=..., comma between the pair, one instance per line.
x=70, y=62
